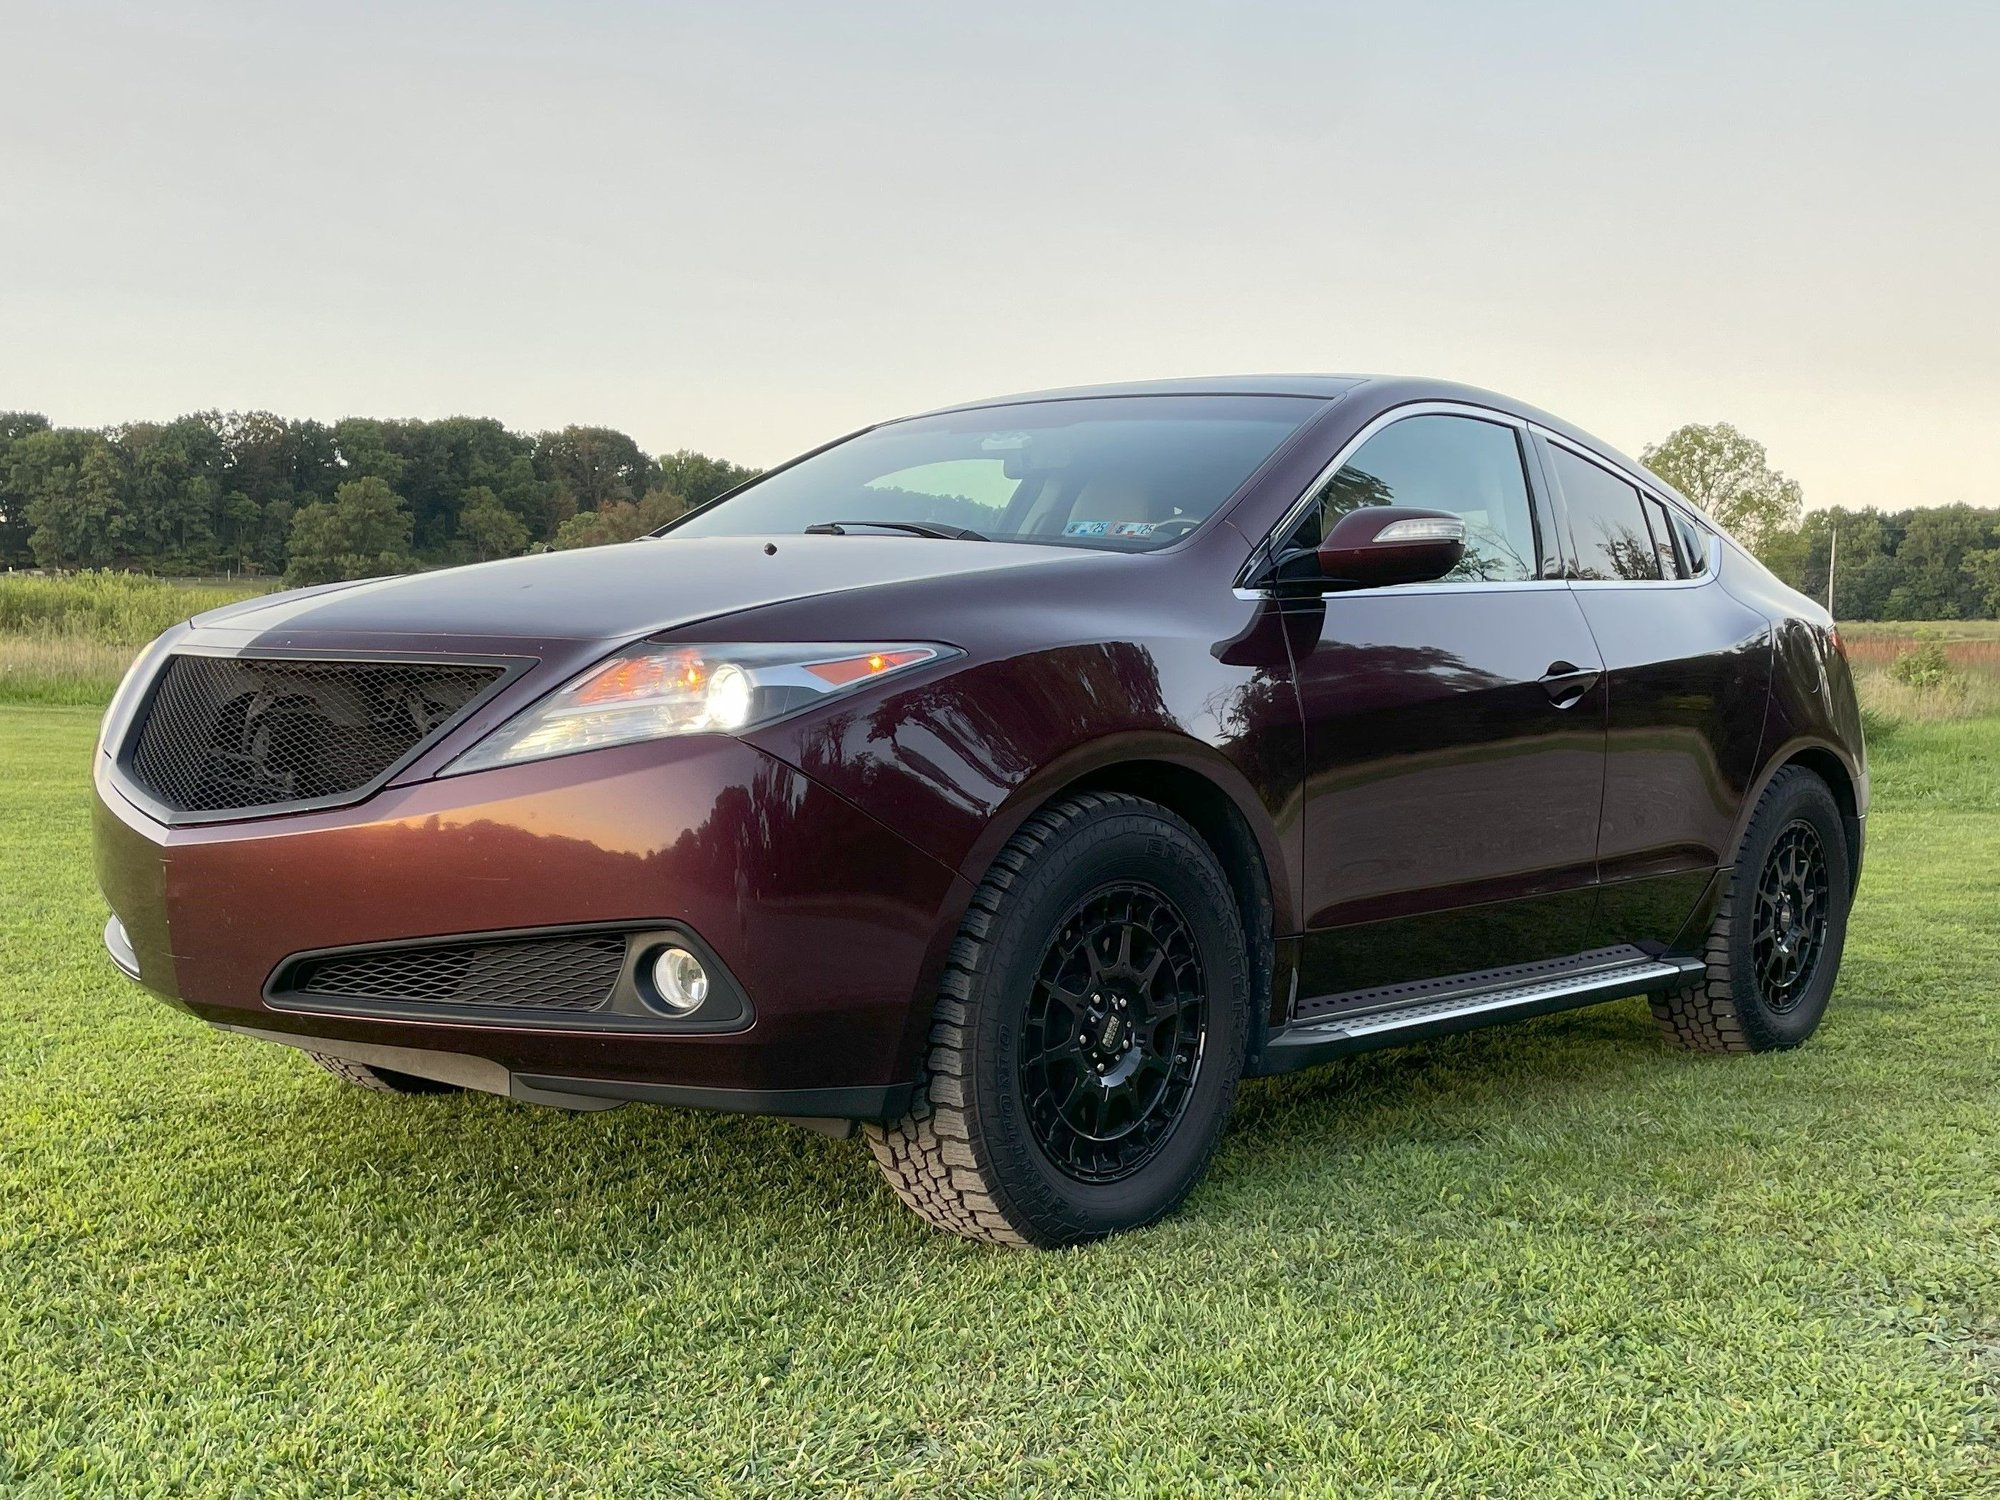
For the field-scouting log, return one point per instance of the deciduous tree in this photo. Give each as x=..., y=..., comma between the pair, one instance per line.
x=14, y=426
x=1983, y=569
x=619, y=520
x=486, y=528
x=173, y=490
x=362, y=532
x=697, y=478
x=70, y=480
x=593, y=465
x=1729, y=475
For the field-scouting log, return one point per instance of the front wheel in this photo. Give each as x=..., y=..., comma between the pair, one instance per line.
x=1089, y=1035
x=1774, y=950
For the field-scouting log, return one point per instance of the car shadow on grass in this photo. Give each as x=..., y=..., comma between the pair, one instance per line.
x=635, y=1167
x=1467, y=1081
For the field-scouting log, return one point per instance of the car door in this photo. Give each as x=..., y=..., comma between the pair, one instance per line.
x=1454, y=731
x=1687, y=675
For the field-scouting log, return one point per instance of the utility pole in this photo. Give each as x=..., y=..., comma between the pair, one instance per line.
x=1832, y=560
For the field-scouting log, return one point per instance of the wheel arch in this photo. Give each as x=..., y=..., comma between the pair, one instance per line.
x=1190, y=779
x=1830, y=766
x=1213, y=814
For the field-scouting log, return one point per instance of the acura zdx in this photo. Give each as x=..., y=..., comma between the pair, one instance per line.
x=1010, y=782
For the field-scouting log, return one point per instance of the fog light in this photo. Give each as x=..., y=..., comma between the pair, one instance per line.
x=680, y=980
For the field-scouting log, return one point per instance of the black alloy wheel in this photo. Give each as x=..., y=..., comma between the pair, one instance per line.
x=1088, y=1036
x=1115, y=1029
x=1788, y=932
x=1774, y=940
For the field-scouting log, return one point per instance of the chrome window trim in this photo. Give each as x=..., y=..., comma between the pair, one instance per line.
x=1387, y=590
x=1670, y=498
x=1702, y=581
x=1701, y=523
x=1297, y=511
x=1495, y=586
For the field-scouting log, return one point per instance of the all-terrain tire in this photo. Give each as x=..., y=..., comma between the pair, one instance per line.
x=967, y=1156
x=1730, y=1009
x=380, y=1080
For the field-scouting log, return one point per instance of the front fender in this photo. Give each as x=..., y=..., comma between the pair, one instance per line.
x=957, y=763
x=1134, y=750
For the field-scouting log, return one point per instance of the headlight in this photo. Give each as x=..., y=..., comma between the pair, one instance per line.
x=650, y=691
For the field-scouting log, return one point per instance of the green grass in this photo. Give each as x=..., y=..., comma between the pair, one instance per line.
x=126, y=609
x=1556, y=1260
x=67, y=639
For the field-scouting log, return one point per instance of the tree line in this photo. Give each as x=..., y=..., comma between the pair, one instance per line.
x=1936, y=562
x=252, y=492
x=1931, y=562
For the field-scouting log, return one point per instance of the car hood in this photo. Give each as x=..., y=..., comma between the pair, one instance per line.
x=622, y=591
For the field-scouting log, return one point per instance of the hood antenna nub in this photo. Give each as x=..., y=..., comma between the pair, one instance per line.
x=770, y=549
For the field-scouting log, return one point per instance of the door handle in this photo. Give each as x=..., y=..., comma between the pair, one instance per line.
x=1566, y=683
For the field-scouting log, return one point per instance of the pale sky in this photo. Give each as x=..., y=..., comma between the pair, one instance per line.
x=747, y=226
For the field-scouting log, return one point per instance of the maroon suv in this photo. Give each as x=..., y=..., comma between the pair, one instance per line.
x=1013, y=780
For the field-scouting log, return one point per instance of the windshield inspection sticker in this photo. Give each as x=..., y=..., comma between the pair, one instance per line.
x=1087, y=528
x=1135, y=528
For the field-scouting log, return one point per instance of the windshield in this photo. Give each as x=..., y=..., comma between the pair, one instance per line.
x=1128, y=473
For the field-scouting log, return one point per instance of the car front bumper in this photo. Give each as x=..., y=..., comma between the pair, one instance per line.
x=832, y=925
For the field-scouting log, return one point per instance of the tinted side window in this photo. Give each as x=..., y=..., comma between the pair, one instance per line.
x=1605, y=521
x=1663, y=539
x=1694, y=545
x=1460, y=465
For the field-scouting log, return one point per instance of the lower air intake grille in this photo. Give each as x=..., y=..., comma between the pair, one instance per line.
x=227, y=732
x=571, y=973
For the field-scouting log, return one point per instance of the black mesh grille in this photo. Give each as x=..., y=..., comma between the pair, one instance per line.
x=572, y=973
x=226, y=732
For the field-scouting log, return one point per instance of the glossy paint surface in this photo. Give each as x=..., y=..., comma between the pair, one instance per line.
x=821, y=914
x=1688, y=681
x=618, y=593
x=1395, y=789
x=1451, y=806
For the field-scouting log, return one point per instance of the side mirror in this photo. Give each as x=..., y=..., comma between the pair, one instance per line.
x=1384, y=544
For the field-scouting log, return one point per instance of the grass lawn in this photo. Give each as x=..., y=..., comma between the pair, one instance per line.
x=1556, y=1260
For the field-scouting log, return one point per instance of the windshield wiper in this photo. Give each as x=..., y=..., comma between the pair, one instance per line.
x=914, y=528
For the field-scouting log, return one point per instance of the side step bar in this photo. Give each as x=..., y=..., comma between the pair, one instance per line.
x=1302, y=1044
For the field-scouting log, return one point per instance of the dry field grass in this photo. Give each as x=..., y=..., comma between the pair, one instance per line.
x=1947, y=669
x=68, y=639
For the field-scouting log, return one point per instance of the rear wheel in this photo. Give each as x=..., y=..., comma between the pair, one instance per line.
x=1774, y=950
x=1089, y=1035
x=380, y=1080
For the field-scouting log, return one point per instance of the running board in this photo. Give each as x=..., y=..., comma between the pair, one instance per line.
x=1302, y=1044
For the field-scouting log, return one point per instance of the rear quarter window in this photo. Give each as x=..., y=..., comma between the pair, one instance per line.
x=1694, y=545
x=1665, y=548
